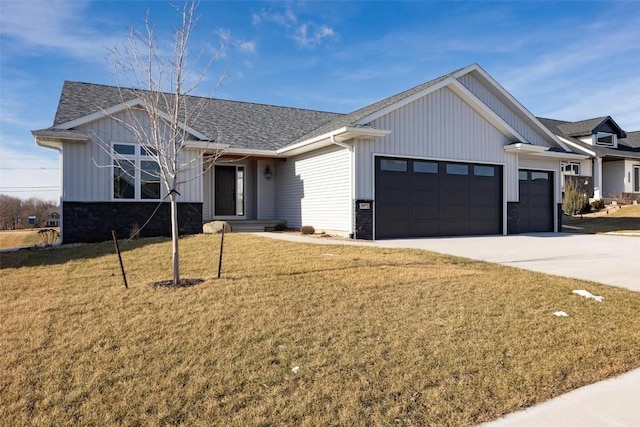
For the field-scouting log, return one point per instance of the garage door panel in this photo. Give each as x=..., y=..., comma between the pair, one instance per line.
x=425, y=228
x=453, y=227
x=431, y=212
x=484, y=227
x=536, y=206
x=432, y=198
x=455, y=212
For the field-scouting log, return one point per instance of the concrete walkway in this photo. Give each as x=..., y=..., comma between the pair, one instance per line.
x=611, y=260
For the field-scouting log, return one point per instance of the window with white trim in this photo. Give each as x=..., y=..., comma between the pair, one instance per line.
x=135, y=174
x=605, y=139
x=636, y=179
x=570, y=168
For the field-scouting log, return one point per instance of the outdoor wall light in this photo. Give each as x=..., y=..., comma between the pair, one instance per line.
x=268, y=173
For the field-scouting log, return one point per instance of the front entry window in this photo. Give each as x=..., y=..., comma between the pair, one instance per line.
x=636, y=179
x=229, y=190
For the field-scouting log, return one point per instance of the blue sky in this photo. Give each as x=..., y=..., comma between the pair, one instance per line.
x=567, y=60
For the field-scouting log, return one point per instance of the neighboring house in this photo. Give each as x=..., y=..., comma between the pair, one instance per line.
x=614, y=155
x=53, y=220
x=457, y=155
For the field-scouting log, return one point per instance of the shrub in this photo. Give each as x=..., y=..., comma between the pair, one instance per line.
x=573, y=202
x=280, y=227
x=597, y=204
x=307, y=229
x=134, y=231
x=48, y=236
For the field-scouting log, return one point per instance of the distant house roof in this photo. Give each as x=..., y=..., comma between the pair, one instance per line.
x=244, y=124
x=632, y=140
x=628, y=144
x=591, y=126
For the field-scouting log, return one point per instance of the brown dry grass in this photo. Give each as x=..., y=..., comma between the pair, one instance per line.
x=380, y=336
x=611, y=219
x=19, y=238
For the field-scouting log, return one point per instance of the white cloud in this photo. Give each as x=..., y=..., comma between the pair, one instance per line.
x=305, y=34
x=244, y=46
x=247, y=46
x=311, y=34
x=286, y=19
x=595, y=75
x=57, y=25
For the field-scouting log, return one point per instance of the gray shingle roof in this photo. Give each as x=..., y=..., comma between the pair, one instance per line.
x=244, y=124
x=581, y=128
x=628, y=147
x=632, y=140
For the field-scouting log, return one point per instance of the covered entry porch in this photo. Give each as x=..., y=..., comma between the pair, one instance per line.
x=240, y=190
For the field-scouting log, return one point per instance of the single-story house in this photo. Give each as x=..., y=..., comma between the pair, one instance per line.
x=457, y=155
x=614, y=155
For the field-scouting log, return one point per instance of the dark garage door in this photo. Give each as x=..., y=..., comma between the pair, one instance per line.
x=416, y=198
x=535, y=210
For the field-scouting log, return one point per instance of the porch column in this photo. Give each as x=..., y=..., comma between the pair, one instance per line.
x=597, y=178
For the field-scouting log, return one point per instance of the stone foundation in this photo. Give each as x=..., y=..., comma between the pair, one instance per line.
x=364, y=219
x=513, y=218
x=560, y=213
x=88, y=222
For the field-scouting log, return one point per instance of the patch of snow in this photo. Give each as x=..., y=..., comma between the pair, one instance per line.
x=588, y=294
x=295, y=369
x=560, y=314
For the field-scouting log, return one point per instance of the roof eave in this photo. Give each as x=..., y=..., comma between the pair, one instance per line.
x=49, y=138
x=538, y=150
x=343, y=134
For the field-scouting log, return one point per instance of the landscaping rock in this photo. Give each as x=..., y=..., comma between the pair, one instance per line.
x=215, y=227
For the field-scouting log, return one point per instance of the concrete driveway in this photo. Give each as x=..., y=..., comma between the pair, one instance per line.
x=612, y=260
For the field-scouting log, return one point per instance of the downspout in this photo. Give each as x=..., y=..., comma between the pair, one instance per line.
x=349, y=147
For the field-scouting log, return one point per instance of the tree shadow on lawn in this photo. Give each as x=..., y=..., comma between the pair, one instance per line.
x=33, y=257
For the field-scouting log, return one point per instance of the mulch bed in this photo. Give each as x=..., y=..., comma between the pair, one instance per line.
x=182, y=283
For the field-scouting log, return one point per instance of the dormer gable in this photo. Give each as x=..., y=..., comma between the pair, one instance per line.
x=599, y=131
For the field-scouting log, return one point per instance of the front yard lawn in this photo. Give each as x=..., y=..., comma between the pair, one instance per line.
x=612, y=219
x=378, y=336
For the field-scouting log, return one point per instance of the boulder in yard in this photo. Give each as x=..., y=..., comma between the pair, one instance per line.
x=215, y=227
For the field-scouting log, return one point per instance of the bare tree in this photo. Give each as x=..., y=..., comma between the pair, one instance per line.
x=15, y=212
x=10, y=212
x=162, y=80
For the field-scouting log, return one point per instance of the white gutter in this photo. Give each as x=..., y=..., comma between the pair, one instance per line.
x=538, y=150
x=579, y=147
x=352, y=171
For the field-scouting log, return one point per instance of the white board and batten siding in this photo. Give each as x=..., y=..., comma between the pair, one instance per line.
x=315, y=189
x=91, y=170
x=510, y=116
x=438, y=126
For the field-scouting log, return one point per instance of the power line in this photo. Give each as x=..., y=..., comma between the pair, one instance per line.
x=30, y=158
x=30, y=186
x=29, y=168
x=26, y=191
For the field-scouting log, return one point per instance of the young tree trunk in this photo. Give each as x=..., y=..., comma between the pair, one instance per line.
x=174, y=238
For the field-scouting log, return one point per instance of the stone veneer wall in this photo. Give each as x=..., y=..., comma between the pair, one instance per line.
x=560, y=213
x=93, y=221
x=513, y=218
x=364, y=219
